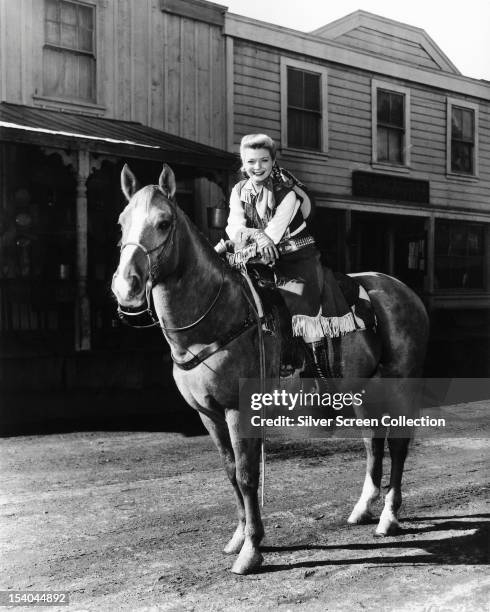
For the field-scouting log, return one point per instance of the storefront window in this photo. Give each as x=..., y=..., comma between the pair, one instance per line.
x=37, y=250
x=459, y=255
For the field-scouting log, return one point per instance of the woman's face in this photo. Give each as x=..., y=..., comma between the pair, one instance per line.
x=257, y=164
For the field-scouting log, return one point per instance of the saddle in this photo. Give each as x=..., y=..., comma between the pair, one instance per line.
x=354, y=294
x=276, y=317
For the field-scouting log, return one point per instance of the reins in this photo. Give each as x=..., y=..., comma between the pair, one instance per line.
x=125, y=312
x=262, y=372
x=205, y=314
x=214, y=347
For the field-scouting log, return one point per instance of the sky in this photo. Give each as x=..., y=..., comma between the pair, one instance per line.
x=460, y=29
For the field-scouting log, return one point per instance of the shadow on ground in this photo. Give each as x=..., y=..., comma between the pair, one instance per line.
x=466, y=549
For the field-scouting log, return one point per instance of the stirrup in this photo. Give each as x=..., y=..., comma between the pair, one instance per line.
x=320, y=359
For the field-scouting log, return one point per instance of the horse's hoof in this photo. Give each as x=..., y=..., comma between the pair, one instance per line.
x=247, y=566
x=360, y=518
x=234, y=546
x=392, y=529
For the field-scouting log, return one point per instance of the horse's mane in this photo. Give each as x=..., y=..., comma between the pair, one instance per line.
x=201, y=239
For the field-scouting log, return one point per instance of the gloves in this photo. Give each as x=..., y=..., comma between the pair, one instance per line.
x=243, y=237
x=266, y=247
x=223, y=246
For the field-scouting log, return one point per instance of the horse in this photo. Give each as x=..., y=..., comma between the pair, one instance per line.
x=204, y=313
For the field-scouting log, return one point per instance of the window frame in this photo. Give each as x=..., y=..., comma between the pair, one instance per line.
x=466, y=225
x=91, y=4
x=322, y=71
x=407, y=140
x=464, y=104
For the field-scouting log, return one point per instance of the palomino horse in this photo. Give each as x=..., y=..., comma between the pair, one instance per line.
x=205, y=316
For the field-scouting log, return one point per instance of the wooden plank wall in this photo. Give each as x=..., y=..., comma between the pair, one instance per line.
x=171, y=71
x=257, y=109
x=162, y=70
x=381, y=43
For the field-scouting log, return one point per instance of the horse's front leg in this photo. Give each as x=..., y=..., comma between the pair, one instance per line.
x=218, y=430
x=247, y=460
x=388, y=521
x=363, y=512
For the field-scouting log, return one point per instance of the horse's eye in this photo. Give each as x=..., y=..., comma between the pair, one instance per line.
x=163, y=225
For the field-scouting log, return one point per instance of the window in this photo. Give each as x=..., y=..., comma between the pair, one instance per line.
x=69, y=50
x=303, y=106
x=304, y=109
x=462, y=119
x=391, y=124
x=459, y=255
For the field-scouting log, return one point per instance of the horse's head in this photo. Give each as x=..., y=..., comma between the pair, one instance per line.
x=148, y=226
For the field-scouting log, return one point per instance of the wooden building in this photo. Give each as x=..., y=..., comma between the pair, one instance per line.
x=391, y=138
x=86, y=86
x=369, y=113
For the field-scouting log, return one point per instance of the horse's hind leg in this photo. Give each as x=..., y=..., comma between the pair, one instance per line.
x=362, y=512
x=247, y=458
x=221, y=437
x=403, y=402
x=388, y=521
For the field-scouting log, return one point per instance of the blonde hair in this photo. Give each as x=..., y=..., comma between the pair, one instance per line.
x=258, y=141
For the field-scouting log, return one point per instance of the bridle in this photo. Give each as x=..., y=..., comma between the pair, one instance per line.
x=146, y=312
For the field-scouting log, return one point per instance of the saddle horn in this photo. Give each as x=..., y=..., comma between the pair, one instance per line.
x=166, y=181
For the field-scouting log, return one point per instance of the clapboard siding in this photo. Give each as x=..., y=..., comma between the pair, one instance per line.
x=251, y=106
x=260, y=124
x=161, y=70
x=257, y=91
x=366, y=39
x=254, y=72
x=259, y=57
x=262, y=94
x=257, y=100
x=249, y=84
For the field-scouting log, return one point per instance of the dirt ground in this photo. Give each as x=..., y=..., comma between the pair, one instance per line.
x=137, y=520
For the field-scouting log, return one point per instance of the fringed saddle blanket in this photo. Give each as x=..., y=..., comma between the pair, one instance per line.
x=358, y=301
x=345, y=308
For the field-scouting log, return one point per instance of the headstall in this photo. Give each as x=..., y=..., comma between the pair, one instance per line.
x=146, y=313
x=148, y=317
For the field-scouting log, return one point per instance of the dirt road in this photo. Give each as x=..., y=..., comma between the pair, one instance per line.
x=136, y=521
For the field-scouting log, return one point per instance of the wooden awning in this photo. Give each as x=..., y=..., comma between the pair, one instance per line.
x=124, y=139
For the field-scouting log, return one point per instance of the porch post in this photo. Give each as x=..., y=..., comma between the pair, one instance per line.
x=347, y=233
x=82, y=319
x=391, y=249
x=430, y=226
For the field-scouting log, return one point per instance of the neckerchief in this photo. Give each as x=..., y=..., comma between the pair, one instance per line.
x=263, y=201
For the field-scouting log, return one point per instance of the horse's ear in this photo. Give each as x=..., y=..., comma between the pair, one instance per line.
x=166, y=182
x=129, y=183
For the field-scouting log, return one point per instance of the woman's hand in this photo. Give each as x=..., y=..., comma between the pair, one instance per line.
x=266, y=247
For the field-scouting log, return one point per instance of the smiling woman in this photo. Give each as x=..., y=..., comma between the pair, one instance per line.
x=266, y=210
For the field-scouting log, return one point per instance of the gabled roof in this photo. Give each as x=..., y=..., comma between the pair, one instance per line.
x=32, y=125
x=385, y=37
